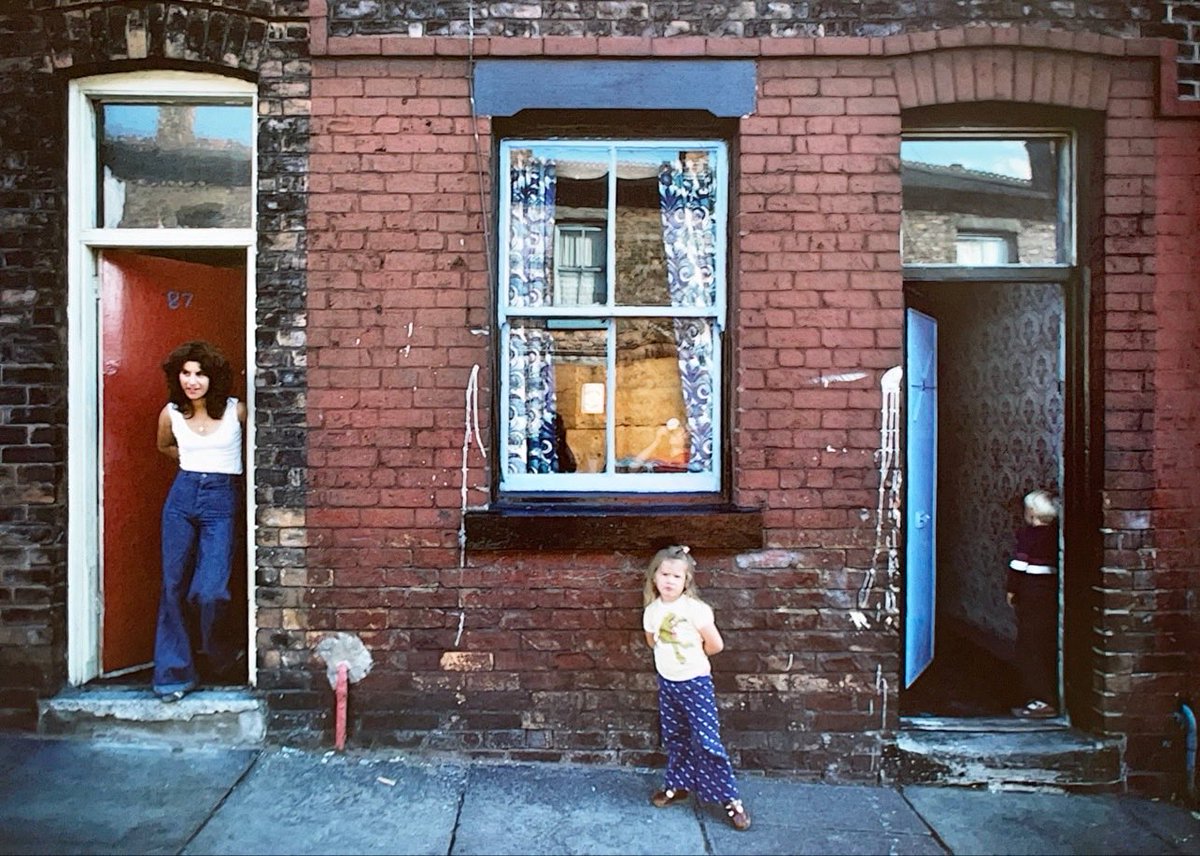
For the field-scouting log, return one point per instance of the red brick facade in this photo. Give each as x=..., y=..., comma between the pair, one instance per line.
x=397, y=240
x=374, y=324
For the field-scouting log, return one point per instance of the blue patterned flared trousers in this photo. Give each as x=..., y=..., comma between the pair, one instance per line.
x=696, y=758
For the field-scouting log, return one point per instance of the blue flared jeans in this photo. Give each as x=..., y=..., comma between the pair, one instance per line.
x=197, y=555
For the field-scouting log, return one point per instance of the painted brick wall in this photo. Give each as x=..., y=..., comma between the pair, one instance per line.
x=1169, y=598
x=546, y=662
x=554, y=662
x=46, y=43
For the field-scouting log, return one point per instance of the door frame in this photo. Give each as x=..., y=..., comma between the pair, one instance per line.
x=1074, y=541
x=85, y=601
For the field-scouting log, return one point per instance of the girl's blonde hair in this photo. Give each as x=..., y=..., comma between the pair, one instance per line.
x=1042, y=506
x=683, y=554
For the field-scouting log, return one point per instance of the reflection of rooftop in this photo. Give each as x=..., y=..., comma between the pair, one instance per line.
x=959, y=175
x=139, y=159
x=935, y=187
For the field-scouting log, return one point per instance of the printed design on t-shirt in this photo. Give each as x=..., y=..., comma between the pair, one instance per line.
x=667, y=634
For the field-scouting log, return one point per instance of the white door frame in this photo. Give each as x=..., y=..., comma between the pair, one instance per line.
x=85, y=598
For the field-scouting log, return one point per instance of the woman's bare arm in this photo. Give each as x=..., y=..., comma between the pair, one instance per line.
x=166, y=436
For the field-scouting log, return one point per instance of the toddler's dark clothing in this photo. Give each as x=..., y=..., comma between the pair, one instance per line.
x=1033, y=580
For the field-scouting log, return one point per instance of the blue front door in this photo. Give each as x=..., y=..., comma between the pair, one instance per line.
x=920, y=530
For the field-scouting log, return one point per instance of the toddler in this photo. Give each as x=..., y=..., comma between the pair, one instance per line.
x=1033, y=593
x=681, y=629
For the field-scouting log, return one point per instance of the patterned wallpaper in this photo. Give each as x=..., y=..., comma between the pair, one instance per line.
x=1000, y=435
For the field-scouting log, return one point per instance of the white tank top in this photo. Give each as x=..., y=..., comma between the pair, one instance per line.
x=218, y=452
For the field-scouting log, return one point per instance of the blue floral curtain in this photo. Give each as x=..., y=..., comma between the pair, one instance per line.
x=531, y=229
x=688, y=206
x=532, y=401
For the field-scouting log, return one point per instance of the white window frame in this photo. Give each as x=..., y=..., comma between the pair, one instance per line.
x=611, y=482
x=85, y=601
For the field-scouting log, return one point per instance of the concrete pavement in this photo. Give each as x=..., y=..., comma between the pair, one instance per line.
x=75, y=796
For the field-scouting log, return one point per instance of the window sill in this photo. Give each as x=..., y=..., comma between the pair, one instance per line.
x=611, y=527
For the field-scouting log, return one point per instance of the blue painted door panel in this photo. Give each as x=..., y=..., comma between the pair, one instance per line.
x=920, y=517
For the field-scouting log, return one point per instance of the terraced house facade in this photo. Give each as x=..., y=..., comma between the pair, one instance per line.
x=520, y=292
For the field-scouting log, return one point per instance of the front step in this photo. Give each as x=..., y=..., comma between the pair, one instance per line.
x=994, y=753
x=229, y=717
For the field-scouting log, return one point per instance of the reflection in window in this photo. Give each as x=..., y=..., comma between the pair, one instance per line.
x=578, y=265
x=611, y=315
x=983, y=202
x=175, y=165
x=972, y=249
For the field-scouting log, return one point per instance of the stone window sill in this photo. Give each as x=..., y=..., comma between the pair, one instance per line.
x=599, y=527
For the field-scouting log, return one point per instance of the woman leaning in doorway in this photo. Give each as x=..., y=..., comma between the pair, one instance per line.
x=201, y=427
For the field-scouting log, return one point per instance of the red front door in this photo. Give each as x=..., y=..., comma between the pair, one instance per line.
x=148, y=305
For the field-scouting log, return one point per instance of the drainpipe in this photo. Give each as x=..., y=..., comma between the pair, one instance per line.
x=1186, y=717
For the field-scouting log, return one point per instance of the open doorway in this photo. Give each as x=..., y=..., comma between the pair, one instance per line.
x=150, y=302
x=998, y=372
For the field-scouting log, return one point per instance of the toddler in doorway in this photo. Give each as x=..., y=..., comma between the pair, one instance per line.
x=1033, y=593
x=681, y=629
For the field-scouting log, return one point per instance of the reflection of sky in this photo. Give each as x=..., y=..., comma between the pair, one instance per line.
x=1003, y=157
x=211, y=121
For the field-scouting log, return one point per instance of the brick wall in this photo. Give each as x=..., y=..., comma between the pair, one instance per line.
x=32, y=375
x=45, y=44
x=1169, y=643
x=1181, y=23
x=1178, y=20
x=546, y=662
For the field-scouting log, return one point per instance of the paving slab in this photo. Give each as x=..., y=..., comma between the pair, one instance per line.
x=802, y=818
x=1014, y=822
x=542, y=809
x=296, y=802
x=62, y=796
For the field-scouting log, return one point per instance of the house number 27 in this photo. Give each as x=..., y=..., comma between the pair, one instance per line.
x=177, y=299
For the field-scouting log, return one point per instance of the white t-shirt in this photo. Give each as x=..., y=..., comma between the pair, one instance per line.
x=678, y=649
x=218, y=452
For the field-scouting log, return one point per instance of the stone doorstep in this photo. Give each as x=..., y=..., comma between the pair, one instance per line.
x=1004, y=754
x=229, y=717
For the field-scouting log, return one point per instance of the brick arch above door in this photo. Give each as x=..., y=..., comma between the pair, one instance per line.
x=1020, y=75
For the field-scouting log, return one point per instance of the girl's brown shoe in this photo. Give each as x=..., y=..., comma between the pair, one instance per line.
x=662, y=799
x=737, y=815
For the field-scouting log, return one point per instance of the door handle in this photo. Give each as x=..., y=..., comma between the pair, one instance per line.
x=923, y=519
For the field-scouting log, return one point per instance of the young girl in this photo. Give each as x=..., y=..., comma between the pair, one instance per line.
x=1033, y=593
x=681, y=630
x=201, y=427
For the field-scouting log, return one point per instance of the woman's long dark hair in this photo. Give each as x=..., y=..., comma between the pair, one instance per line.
x=213, y=364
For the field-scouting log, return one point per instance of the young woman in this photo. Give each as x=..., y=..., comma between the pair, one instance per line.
x=201, y=427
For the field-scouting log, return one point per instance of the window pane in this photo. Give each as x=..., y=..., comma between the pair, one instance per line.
x=666, y=228
x=175, y=165
x=1003, y=193
x=558, y=203
x=556, y=420
x=579, y=252
x=664, y=395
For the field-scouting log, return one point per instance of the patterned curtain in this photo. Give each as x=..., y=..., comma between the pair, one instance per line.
x=530, y=230
x=688, y=207
x=532, y=401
